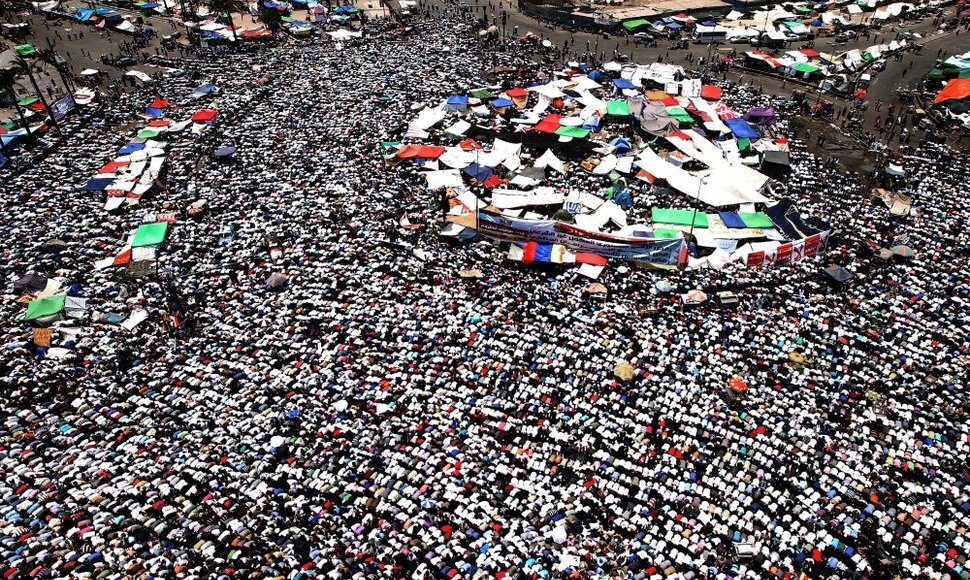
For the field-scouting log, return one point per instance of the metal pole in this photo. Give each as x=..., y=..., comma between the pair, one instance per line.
x=40, y=95
x=16, y=104
x=697, y=200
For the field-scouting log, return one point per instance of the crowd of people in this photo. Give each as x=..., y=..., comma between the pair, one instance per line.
x=371, y=413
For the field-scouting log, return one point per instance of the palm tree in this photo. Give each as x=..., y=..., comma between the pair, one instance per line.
x=226, y=8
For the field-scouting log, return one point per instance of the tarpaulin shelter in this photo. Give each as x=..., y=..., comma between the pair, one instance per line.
x=711, y=92
x=618, y=108
x=679, y=217
x=741, y=129
x=575, y=132
x=787, y=219
x=202, y=90
x=501, y=103
x=955, y=89
x=478, y=172
x=837, y=274
x=44, y=307
x=620, y=144
x=457, y=103
x=204, y=116
x=150, y=234
x=776, y=165
x=30, y=283
x=517, y=93
x=98, y=184
x=622, y=84
x=633, y=25
x=130, y=148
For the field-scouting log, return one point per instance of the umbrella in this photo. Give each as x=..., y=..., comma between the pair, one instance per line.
x=903, y=251
x=737, y=384
x=624, y=371
x=276, y=281
x=596, y=288
x=224, y=152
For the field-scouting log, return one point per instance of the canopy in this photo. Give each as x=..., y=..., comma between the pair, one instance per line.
x=149, y=234
x=45, y=307
x=204, y=116
x=805, y=67
x=224, y=152
x=679, y=217
x=623, y=84
x=34, y=282
x=742, y=129
x=98, y=184
x=25, y=49
x=838, y=274
x=632, y=25
x=956, y=89
x=501, y=103
x=711, y=92
x=576, y=132
x=618, y=108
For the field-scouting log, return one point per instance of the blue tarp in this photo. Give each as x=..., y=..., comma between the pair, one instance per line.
x=621, y=144
x=708, y=23
x=11, y=136
x=543, y=253
x=224, y=152
x=623, y=84
x=155, y=113
x=742, y=129
x=131, y=148
x=731, y=219
x=83, y=14
x=479, y=172
x=500, y=103
x=205, y=89
x=98, y=184
x=593, y=123
x=458, y=100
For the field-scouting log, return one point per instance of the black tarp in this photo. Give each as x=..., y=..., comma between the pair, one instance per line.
x=837, y=274
x=786, y=218
x=30, y=282
x=776, y=165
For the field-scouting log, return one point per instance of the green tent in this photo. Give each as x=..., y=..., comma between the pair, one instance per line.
x=804, y=67
x=577, y=132
x=25, y=49
x=743, y=143
x=618, y=108
x=678, y=217
x=148, y=134
x=150, y=234
x=802, y=9
x=680, y=114
x=27, y=101
x=632, y=25
x=756, y=220
x=45, y=307
x=481, y=94
x=665, y=233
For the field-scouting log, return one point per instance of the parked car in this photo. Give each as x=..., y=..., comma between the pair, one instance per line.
x=879, y=65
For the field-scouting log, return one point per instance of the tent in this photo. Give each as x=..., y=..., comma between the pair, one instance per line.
x=711, y=92
x=956, y=89
x=789, y=221
x=457, y=103
x=837, y=274
x=150, y=234
x=679, y=217
x=204, y=116
x=130, y=148
x=622, y=84
x=201, y=91
x=776, y=165
x=633, y=25
x=501, y=103
x=618, y=108
x=742, y=129
x=620, y=145
x=478, y=172
x=575, y=132
x=224, y=152
x=43, y=307
x=98, y=184
x=25, y=49
x=30, y=282
x=760, y=115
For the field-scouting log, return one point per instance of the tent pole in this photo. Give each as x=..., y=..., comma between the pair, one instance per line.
x=40, y=95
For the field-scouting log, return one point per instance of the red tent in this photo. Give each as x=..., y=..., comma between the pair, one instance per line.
x=159, y=104
x=494, y=180
x=408, y=152
x=711, y=92
x=670, y=102
x=809, y=52
x=955, y=90
x=516, y=93
x=470, y=145
x=549, y=124
x=113, y=167
x=159, y=123
x=592, y=259
x=204, y=116
x=430, y=151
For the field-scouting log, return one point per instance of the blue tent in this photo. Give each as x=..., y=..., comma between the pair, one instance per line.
x=673, y=25
x=742, y=129
x=595, y=75
x=501, y=103
x=816, y=22
x=11, y=136
x=478, y=172
x=224, y=152
x=155, y=113
x=621, y=144
x=623, y=84
x=131, y=148
x=593, y=123
x=457, y=103
x=83, y=14
x=708, y=23
x=623, y=199
x=98, y=184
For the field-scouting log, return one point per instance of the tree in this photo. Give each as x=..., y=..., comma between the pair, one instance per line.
x=226, y=8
